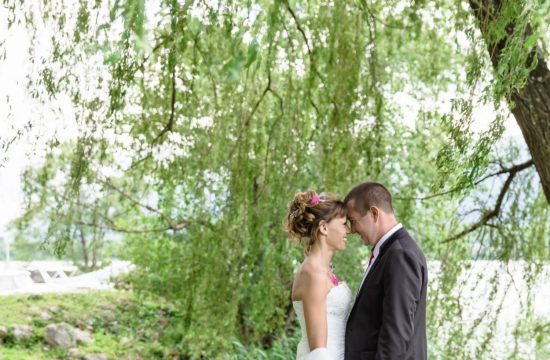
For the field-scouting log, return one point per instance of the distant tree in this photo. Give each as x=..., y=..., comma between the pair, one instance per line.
x=51, y=218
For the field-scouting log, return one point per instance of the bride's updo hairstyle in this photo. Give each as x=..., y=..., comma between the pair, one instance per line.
x=306, y=211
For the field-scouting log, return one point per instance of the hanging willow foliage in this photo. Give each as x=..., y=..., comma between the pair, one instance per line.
x=199, y=120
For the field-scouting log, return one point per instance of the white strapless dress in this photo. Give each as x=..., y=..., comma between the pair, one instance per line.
x=339, y=300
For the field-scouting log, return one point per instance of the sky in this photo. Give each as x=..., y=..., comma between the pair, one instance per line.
x=17, y=108
x=12, y=73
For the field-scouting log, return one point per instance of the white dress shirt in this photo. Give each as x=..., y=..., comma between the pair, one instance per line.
x=376, y=250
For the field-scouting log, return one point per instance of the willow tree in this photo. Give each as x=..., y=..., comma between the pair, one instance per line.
x=511, y=30
x=199, y=121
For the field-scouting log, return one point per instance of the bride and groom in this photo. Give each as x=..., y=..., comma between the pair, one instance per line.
x=388, y=316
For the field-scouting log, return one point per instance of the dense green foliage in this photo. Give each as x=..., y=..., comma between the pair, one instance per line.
x=199, y=121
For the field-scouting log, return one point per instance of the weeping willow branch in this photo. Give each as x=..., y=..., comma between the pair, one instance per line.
x=375, y=86
x=301, y=30
x=125, y=230
x=170, y=123
x=271, y=131
x=254, y=109
x=208, y=73
x=257, y=105
x=311, y=59
x=311, y=62
x=112, y=186
x=514, y=168
x=182, y=224
x=495, y=212
x=161, y=43
x=371, y=13
x=110, y=224
x=5, y=145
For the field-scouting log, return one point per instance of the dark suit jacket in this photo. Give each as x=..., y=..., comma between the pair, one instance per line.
x=388, y=318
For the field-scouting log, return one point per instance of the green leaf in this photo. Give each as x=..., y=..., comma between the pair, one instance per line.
x=252, y=54
x=113, y=58
x=233, y=68
x=531, y=41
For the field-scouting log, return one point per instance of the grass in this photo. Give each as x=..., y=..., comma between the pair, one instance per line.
x=124, y=325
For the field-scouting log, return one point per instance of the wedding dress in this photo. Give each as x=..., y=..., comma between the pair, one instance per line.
x=339, y=299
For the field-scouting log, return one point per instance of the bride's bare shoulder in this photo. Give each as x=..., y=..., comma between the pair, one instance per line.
x=309, y=278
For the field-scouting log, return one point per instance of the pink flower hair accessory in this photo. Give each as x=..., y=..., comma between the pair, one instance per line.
x=315, y=200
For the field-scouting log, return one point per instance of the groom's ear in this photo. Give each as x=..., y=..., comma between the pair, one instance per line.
x=375, y=212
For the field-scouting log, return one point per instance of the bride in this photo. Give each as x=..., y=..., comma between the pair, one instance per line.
x=321, y=301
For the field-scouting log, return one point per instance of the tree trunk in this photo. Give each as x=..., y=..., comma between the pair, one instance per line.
x=84, y=244
x=531, y=104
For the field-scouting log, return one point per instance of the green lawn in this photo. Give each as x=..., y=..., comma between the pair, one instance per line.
x=123, y=325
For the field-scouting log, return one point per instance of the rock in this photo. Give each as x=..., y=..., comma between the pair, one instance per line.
x=108, y=316
x=74, y=353
x=22, y=332
x=156, y=336
x=121, y=301
x=83, y=337
x=164, y=322
x=124, y=341
x=46, y=316
x=34, y=309
x=60, y=335
x=95, y=357
x=108, y=306
x=3, y=333
x=113, y=327
x=53, y=308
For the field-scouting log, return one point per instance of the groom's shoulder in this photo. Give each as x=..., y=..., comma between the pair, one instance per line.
x=403, y=239
x=404, y=242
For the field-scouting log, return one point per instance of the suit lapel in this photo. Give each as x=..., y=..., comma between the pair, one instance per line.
x=382, y=252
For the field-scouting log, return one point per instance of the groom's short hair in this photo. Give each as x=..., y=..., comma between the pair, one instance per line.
x=369, y=194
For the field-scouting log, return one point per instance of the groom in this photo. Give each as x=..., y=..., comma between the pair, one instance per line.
x=388, y=318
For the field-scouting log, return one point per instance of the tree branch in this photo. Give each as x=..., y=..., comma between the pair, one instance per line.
x=123, y=230
x=169, y=126
x=165, y=39
x=112, y=186
x=110, y=224
x=311, y=59
x=182, y=224
x=371, y=13
x=257, y=105
x=254, y=109
x=495, y=212
x=514, y=168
